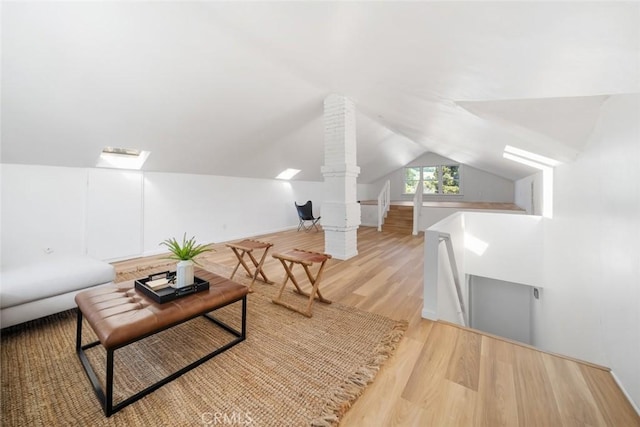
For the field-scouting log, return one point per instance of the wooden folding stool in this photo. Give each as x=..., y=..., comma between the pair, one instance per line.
x=306, y=259
x=246, y=247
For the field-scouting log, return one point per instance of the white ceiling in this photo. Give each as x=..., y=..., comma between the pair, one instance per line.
x=237, y=88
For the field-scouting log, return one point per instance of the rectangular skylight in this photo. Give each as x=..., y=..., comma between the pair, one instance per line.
x=123, y=151
x=525, y=161
x=288, y=173
x=122, y=158
x=530, y=156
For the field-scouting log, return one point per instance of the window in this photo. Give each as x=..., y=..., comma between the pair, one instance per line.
x=450, y=179
x=430, y=180
x=411, y=179
x=443, y=179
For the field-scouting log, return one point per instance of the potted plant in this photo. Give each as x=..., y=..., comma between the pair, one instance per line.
x=184, y=252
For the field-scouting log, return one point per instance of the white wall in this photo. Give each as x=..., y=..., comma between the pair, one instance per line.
x=114, y=213
x=477, y=185
x=82, y=211
x=217, y=208
x=590, y=307
x=368, y=192
x=42, y=207
x=528, y=194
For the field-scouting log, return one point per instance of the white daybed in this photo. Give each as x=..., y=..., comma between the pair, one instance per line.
x=49, y=286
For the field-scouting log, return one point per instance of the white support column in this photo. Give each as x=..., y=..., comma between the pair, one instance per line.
x=340, y=209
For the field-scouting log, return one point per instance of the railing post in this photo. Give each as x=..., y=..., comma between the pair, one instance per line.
x=384, y=198
x=456, y=280
x=417, y=207
x=462, y=311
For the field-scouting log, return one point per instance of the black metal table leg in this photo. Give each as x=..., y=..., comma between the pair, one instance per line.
x=106, y=396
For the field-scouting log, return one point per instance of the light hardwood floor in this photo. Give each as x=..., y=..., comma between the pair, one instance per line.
x=443, y=375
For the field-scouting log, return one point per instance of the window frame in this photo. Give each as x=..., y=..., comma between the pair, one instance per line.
x=439, y=168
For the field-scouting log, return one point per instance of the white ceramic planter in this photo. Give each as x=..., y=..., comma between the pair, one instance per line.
x=184, y=274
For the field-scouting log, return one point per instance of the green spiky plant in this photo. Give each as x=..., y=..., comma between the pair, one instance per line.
x=187, y=250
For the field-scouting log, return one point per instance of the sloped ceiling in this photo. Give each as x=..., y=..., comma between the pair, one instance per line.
x=237, y=88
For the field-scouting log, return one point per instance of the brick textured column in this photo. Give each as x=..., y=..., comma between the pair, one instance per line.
x=340, y=209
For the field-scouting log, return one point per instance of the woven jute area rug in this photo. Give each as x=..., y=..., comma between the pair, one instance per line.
x=290, y=371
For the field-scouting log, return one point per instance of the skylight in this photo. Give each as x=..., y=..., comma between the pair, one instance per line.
x=122, y=158
x=537, y=158
x=288, y=173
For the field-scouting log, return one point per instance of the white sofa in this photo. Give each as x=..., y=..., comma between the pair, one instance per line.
x=49, y=286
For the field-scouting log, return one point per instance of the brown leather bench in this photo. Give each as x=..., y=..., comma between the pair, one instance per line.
x=121, y=315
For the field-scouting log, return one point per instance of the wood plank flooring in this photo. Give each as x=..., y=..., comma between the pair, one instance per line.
x=443, y=375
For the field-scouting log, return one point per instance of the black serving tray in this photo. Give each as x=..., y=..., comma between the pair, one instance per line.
x=169, y=294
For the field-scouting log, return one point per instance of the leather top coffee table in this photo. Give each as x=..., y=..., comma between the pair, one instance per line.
x=121, y=315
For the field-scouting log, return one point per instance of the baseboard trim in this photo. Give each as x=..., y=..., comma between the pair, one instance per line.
x=626, y=394
x=155, y=252
x=518, y=343
x=431, y=315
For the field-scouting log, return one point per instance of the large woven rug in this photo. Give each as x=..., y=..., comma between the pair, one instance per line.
x=290, y=371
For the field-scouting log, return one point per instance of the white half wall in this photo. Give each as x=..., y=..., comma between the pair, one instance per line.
x=431, y=215
x=496, y=246
x=367, y=192
x=513, y=251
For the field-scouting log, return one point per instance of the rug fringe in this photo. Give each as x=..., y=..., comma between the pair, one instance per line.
x=345, y=395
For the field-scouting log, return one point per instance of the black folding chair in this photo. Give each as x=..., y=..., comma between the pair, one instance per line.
x=305, y=214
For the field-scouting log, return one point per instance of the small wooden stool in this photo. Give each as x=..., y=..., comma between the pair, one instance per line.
x=306, y=259
x=246, y=247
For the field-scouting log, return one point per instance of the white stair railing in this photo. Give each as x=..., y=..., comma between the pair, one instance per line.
x=417, y=208
x=462, y=311
x=384, y=202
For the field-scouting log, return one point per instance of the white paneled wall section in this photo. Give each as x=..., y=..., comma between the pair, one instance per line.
x=114, y=213
x=43, y=211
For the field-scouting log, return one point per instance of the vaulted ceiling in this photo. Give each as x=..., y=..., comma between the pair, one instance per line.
x=237, y=88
